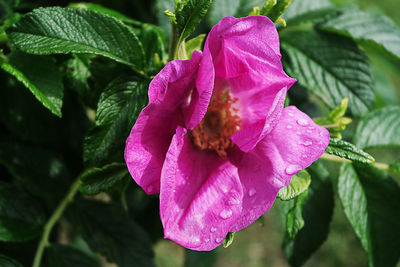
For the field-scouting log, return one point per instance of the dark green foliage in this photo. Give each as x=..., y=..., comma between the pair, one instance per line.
x=66, y=256
x=21, y=216
x=96, y=180
x=8, y=262
x=40, y=75
x=108, y=230
x=118, y=107
x=317, y=214
x=374, y=30
x=56, y=30
x=371, y=202
x=331, y=67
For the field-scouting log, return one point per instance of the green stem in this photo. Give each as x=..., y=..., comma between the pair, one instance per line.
x=329, y=126
x=44, y=242
x=334, y=158
x=173, y=45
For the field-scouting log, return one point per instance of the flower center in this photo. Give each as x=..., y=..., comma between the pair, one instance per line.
x=218, y=125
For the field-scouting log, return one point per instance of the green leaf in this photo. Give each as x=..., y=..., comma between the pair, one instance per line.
x=153, y=40
x=379, y=128
x=107, y=230
x=294, y=218
x=96, y=180
x=228, y=239
x=21, y=217
x=371, y=202
x=374, y=30
x=317, y=214
x=40, y=75
x=347, y=150
x=395, y=167
x=106, y=11
x=330, y=67
x=194, y=44
x=190, y=15
x=299, y=183
x=66, y=256
x=117, y=110
x=42, y=172
x=78, y=72
x=301, y=8
x=55, y=30
x=8, y=262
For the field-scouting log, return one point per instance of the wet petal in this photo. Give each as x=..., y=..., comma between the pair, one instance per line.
x=200, y=195
x=151, y=135
x=293, y=145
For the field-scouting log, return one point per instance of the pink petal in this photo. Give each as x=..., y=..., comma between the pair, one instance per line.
x=200, y=195
x=293, y=145
x=151, y=135
x=148, y=144
x=246, y=57
x=201, y=94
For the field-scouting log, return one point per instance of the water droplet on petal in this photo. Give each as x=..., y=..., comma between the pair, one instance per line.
x=252, y=192
x=311, y=128
x=304, y=156
x=289, y=126
x=290, y=114
x=267, y=125
x=298, y=133
x=302, y=122
x=225, y=214
x=307, y=143
x=213, y=229
x=309, y=131
x=234, y=201
x=321, y=134
x=320, y=142
x=207, y=240
x=292, y=169
x=218, y=240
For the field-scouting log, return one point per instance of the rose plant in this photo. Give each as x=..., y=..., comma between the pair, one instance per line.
x=224, y=113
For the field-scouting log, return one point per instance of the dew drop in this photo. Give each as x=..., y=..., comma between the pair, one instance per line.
x=309, y=131
x=320, y=142
x=234, y=201
x=302, y=122
x=304, y=156
x=321, y=134
x=252, y=192
x=218, y=240
x=290, y=114
x=292, y=169
x=213, y=229
x=311, y=128
x=307, y=143
x=225, y=214
x=207, y=240
x=298, y=133
x=289, y=126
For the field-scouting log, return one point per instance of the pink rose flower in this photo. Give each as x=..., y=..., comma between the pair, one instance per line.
x=215, y=139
